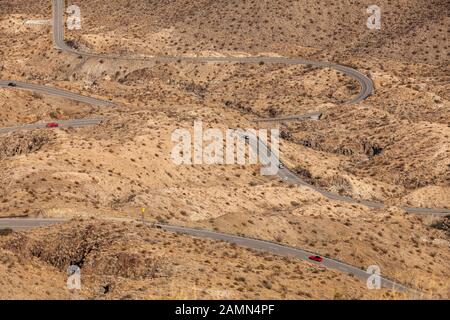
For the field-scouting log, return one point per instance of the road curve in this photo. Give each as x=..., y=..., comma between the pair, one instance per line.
x=285, y=174
x=256, y=244
x=26, y=223
x=366, y=89
x=58, y=40
x=58, y=93
x=284, y=250
x=76, y=123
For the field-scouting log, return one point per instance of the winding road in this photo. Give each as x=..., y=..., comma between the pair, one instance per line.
x=61, y=124
x=256, y=244
x=366, y=89
x=309, y=116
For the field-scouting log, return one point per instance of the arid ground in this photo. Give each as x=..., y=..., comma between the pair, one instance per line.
x=394, y=148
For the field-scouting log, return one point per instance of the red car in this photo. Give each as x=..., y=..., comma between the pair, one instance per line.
x=316, y=258
x=52, y=125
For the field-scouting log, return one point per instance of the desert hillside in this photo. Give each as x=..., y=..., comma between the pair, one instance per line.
x=393, y=147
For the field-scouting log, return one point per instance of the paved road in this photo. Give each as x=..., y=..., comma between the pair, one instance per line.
x=285, y=174
x=25, y=223
x=257, y=244
x=365, y=83
x=56, y=92
x=308, y=116
x=288, y=251
x=58, y=39
x=61, y=124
